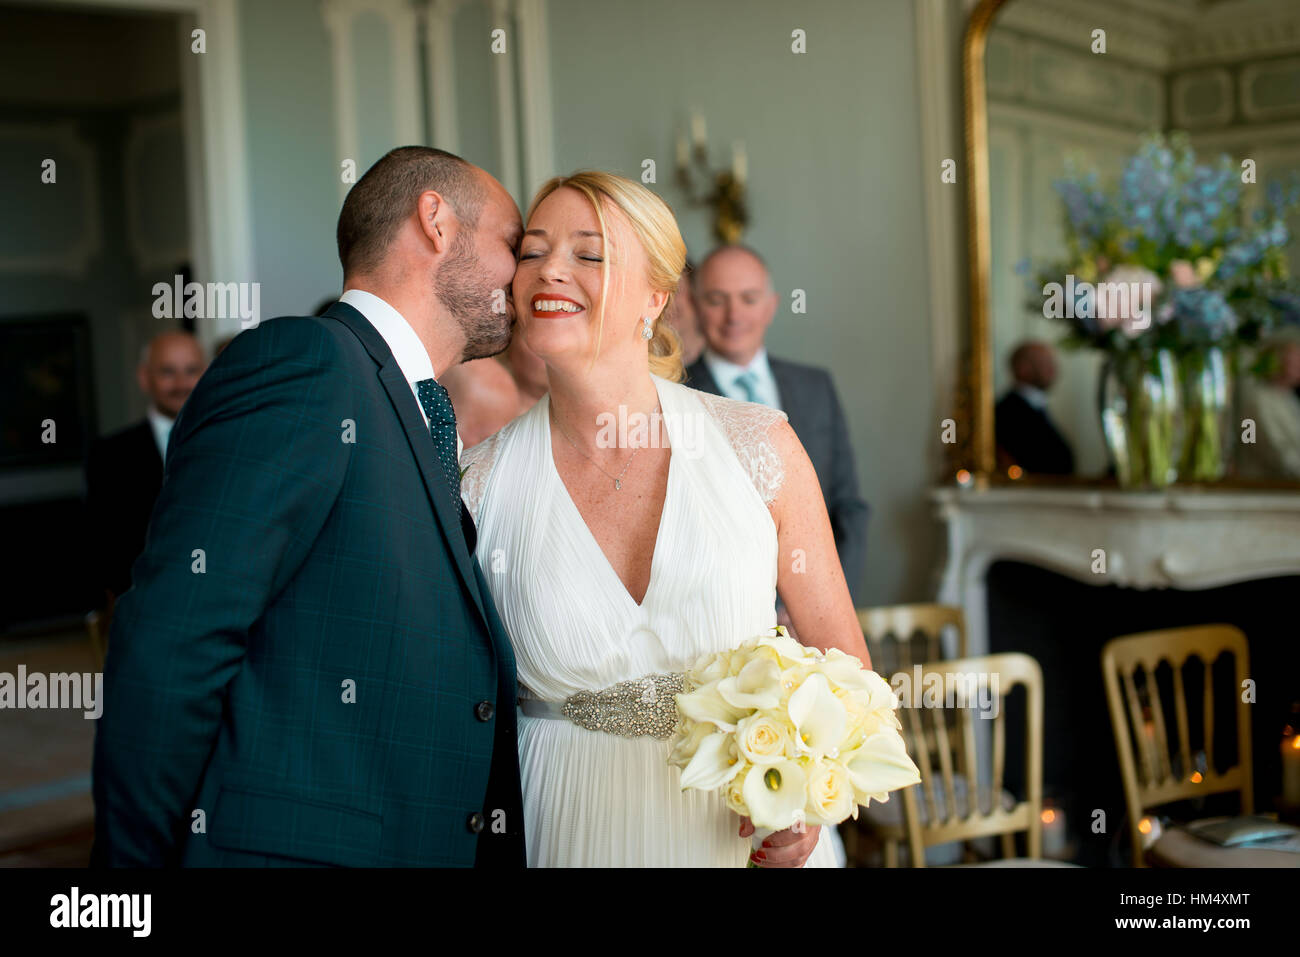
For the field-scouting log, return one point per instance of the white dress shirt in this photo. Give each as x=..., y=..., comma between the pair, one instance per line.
x=412, y=358
x=1035, y=396
x=162, y=430
x=725, y=372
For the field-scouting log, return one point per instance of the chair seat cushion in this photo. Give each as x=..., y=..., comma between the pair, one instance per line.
x=1178, y=847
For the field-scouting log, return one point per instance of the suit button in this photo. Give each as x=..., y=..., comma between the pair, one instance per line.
x=475, y=822
x=484, y=710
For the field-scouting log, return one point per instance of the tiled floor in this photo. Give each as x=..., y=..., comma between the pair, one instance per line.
x=46, y=814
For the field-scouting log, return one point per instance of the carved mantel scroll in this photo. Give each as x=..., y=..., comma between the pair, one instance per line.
x=1183, y=539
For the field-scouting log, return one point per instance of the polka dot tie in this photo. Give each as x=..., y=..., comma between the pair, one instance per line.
x=442, y=426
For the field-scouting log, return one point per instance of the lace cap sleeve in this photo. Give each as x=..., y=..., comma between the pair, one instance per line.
x=476, y=465
x=747, y=426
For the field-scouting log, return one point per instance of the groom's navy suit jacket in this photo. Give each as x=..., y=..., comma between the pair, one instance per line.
x=308, y=654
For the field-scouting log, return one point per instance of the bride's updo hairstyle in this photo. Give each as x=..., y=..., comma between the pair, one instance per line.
x=656, y=228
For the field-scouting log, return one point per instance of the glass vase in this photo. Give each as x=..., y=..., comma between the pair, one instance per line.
x=1206, y=385
x=1141, y=417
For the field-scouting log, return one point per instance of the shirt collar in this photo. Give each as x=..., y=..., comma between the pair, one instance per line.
x=162, y=429
x=1032, y=394
x=412, y=358
x=724, y=369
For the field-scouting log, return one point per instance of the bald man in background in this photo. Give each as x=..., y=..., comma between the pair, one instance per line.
x=125, y=470
x=1026, y=434
x=736, y=303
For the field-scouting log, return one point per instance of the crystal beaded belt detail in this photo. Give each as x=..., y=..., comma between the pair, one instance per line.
x=631, y=708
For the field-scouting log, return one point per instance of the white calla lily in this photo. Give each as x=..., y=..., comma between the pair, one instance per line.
x=688, y=741
x=713, y=764
x=705, y=704
x=879, y=765
x=757, y=686
x=775, y=795
x=709, y=668
x=820, y=719
x=786, y=647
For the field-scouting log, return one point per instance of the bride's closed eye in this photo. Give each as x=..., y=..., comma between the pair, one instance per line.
x=533, y=254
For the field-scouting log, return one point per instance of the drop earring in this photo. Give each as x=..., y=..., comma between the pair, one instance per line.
x=646, y=331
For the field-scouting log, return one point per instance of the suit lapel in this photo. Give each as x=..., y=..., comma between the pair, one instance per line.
x=421, y=442
x=701, y=378
x=787, y=386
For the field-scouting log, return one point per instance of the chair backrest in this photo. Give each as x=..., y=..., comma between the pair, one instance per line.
x=1141, y=733
x=98, y=623
x=892, y=635
x=963, y=683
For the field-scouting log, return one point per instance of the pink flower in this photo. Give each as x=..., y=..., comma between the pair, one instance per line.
x=1124, y=299
x=1183, y=274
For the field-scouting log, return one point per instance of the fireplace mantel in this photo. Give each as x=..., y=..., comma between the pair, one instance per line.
x=1177, y=538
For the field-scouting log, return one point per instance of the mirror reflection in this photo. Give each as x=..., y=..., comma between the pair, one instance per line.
x=1144, y=169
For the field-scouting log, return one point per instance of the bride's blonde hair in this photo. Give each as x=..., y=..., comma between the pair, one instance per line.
x=656, y=228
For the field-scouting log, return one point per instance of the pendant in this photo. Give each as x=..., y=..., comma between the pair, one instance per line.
x=618, y=485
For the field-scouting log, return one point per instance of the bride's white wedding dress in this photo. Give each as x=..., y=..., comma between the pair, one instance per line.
x=593, y=798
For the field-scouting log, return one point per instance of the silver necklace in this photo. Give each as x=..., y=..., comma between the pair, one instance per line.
x=618, y=479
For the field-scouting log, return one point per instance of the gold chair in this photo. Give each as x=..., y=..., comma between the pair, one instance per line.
x=904, y=624
x=899, y=637
x=1149, y=776
x=935, y=811
x=949, y=804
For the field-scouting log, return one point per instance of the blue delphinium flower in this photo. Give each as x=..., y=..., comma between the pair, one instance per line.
x=1203, y=314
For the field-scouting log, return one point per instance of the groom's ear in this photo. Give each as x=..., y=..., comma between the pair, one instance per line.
x=436, y=219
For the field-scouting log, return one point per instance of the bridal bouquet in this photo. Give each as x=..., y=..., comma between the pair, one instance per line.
x=789, y=734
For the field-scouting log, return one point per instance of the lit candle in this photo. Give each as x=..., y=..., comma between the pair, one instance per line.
x=1291, y=770
x=739, y=162
x=697, y=130
x=1053, y=832
x=683, y=152
x=1150, y=829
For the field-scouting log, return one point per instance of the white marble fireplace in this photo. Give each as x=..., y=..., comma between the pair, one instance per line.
x=1178, y=538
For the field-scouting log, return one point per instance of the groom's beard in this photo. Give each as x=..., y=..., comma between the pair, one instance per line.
x=467, y=294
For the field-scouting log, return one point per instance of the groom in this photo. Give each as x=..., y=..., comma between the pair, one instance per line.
x=308, y=669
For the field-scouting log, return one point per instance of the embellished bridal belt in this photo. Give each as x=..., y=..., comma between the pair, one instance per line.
x=630, y=708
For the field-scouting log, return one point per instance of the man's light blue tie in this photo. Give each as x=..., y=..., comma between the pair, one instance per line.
x=745, y=382
x=442, y=426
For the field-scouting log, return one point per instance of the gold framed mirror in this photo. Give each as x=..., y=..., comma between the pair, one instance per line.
x=1222, y=75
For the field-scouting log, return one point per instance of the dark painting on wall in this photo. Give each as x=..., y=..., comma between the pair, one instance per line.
x=45, y=390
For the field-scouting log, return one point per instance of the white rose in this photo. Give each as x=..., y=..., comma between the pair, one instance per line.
x=762, y=740
x=830, y=794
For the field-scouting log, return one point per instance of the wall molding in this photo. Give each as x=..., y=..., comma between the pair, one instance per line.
x=212, y=98
x=148, y=256
x=73, y=260
x=503, y=88
x=1251, y=110
x=439, y=18
x=1178, y=89
x=535, y=90
x=937, y=23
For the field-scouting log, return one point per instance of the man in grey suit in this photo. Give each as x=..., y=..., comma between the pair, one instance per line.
x=736, y=303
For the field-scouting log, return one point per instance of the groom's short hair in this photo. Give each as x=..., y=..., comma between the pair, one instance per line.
x=385, y=197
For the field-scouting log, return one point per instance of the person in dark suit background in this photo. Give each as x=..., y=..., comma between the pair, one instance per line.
x=309, y=654
x=735, y=302
x=124, y=471
x=1026, y=435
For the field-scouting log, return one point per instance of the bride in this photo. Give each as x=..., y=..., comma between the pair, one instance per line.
x=614, y=561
